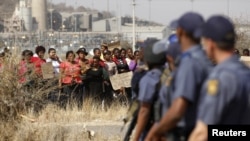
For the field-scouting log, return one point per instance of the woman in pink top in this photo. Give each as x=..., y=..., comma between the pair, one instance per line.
x=38, y=60
x=26, y=68
x=70, y=79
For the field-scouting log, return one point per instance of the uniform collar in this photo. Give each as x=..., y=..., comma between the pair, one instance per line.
x=193, y=49
x=231, y=59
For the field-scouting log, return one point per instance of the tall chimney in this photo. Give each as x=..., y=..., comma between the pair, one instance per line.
x=39, y=11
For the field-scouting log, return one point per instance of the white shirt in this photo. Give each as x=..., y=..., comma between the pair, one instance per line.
x=128, y=60
x=111, y=67
x=55, y=64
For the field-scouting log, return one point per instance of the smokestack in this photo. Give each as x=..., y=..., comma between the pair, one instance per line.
x=39, y=12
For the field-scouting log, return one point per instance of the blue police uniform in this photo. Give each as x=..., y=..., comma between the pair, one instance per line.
x=166, y=97
x=226, y=94
x=148, y=85
x=192, y=71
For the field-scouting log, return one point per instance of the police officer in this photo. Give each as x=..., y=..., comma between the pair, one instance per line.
x=155, y=58
x=164, y=99
x=226, y=91
x=191, y=72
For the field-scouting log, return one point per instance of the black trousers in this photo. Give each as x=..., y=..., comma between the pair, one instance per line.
x=71, y=94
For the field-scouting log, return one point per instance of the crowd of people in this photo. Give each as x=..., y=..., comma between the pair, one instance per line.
x=77, y=77
x=207, y=83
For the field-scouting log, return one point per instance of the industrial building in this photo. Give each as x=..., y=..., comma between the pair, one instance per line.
x=21, y=19
x=33, y=16
x=122, y=25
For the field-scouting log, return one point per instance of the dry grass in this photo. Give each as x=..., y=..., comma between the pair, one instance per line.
x=28, y=116
x=72, y=124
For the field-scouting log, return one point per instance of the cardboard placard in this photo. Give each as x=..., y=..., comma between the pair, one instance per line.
x=47, y=70
x=245, y=60
x=121, y=80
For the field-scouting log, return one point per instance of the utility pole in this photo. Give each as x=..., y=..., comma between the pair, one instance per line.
x=108, y=8
x=92, y=13
x=133, y=45
x=51, y=16
x=228, y=8
x=75, y=16
x=192, y=2
x=149, y=14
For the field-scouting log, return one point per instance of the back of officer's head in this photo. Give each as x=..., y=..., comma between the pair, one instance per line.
x=155, y=53
x=221, y=31
x=187, y=25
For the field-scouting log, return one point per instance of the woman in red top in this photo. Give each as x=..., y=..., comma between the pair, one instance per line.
x=38, y=60
x=26, y=67
x=70, y=78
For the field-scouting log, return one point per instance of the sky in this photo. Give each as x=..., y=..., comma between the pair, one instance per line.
x=164, y=11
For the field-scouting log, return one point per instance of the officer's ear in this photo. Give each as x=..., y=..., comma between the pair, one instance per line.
x=179, y=32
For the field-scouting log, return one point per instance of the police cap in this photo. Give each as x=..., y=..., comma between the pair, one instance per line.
x=155, y=52
x=219, y=29
x=189, y=22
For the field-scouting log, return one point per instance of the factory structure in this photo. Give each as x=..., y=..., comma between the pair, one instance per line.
x=36, y=16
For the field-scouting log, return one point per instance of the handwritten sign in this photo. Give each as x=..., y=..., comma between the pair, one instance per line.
x=245, y=60
x=47, y=70
x=121, y=80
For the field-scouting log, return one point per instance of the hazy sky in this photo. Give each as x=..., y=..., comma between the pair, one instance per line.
x=164, y=11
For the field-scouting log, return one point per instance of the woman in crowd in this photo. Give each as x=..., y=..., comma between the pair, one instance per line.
x=130, y=56
x=122, y=67
x=133, y=63
x=70, y=79
x=95, y=77
x=56, y=61
x=104, y=48
x=120, y=61
x=109, y=64
x=38, y=60
x=112, y=70
x=83, y=62
x=97, y=52
x=26, y=68
x=123, y=53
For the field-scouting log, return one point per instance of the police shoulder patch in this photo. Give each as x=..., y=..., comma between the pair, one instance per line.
x=212, y=87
